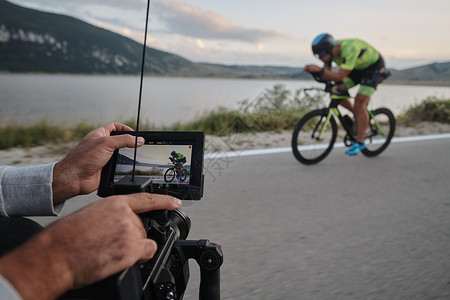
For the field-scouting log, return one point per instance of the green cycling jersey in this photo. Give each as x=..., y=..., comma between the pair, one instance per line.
x=180, y=159
x=356, y=55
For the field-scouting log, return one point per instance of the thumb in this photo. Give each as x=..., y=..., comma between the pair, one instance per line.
x=143, y=202
x=125, y=140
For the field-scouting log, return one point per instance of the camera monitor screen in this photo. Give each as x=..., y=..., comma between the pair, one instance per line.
x=171, y=162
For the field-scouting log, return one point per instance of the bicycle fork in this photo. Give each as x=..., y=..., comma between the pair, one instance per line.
x=325, y=124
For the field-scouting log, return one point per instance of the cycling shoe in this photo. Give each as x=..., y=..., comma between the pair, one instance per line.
x=355, y=148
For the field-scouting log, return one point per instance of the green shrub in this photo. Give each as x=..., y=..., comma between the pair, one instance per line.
x=432, y=109
x=275, y=109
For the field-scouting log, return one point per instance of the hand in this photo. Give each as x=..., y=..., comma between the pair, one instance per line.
x=312, y=69
x=79, y=172
x=340, y=87
x=89, y=245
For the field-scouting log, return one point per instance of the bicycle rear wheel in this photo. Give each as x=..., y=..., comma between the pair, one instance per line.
x=378, y=138
x=307, y=146
x=183, y=175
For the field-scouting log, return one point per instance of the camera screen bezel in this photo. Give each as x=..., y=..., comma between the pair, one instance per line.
x=191, y=191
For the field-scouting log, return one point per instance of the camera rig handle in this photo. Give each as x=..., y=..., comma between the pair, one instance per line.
x=209, y=257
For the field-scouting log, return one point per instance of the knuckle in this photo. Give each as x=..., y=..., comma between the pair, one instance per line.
x=119, y=206
x=126, y=226
x=116, y=202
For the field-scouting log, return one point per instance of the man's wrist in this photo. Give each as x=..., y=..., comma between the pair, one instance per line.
x=321, y=72
x=65, y=184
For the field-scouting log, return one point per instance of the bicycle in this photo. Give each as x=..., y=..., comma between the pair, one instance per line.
x=315, y=134
x=169, y=175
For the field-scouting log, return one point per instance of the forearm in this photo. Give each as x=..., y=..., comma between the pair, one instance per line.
x=328, y=73
x=35, y=270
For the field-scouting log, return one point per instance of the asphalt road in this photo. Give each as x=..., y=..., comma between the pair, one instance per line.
x=347, y=228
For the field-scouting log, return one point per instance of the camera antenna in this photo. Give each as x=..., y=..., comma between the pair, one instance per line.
x=140, y=90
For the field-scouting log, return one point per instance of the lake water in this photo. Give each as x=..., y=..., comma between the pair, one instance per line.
x=70, y=99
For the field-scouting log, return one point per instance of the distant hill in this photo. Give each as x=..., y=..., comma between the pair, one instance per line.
x=41, y=42
x=436, y=73
x=35, y=41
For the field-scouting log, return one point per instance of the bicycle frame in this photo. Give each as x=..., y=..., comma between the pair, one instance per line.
x=333, y=109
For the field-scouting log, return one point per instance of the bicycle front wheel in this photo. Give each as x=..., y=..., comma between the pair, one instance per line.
x=169, y=175
x=313, y=139
x=380, y=131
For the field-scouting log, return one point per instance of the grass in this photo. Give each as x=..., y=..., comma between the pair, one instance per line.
x=275, y=110
x=39, y=134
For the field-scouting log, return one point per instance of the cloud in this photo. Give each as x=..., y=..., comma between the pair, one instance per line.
x=200, y=44
x=182, y=18
x=172, y=17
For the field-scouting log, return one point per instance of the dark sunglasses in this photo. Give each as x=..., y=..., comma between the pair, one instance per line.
x=321, y=54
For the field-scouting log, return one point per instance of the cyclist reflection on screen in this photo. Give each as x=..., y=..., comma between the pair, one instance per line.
x=179, y=160
x=359, y=63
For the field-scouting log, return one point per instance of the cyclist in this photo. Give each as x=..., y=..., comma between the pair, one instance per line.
x=359, y=63
x=178, y=159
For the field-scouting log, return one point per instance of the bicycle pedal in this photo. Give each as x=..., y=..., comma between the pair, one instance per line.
x=348, y=141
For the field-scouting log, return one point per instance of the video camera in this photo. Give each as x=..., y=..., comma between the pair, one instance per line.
x=166, y=275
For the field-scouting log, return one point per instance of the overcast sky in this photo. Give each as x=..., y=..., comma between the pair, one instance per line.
x=258, y=32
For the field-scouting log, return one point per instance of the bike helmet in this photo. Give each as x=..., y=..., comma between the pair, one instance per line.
x=323, y=44
x=173, y=153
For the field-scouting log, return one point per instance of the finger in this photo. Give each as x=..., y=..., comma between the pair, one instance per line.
x=148, y=249
x=106, y=129
x=121, y=127
x=144, y=202
x=113, y=126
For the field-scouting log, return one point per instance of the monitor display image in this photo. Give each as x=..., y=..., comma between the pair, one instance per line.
x=164, y=162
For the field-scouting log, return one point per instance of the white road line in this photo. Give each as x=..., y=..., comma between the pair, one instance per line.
x=337, y=145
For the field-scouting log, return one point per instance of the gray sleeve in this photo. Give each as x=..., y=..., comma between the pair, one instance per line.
x=7, y=291
x=27, y=191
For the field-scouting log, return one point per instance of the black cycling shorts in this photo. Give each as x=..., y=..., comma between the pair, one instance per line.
x=370, y=76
